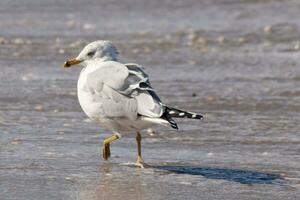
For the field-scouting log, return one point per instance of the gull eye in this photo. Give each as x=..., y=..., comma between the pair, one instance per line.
x=91, y=54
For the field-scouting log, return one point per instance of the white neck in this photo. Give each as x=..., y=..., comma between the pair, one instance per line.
x=102, y=59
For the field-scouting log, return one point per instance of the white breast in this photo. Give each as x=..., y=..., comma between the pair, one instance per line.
x=86, y=95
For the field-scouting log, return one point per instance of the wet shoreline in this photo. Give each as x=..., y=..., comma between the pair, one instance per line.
x=237, y=62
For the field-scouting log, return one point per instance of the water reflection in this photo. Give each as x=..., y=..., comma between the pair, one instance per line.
x=115, y=183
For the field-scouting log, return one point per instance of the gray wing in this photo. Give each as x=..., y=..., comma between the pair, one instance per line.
x=125, y=91
x=138, y=86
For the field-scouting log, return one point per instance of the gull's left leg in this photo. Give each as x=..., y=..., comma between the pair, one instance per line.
x=140, y=162
x=106, y=145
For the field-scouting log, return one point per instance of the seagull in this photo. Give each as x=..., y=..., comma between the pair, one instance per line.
x=118, y=96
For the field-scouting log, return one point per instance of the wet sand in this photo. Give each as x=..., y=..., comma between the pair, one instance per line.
x=235, y=61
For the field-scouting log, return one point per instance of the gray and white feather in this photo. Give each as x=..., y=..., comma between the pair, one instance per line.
x=119, y=96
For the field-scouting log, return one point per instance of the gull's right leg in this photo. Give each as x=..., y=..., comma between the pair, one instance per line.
x=140, y=162
x=106, y=145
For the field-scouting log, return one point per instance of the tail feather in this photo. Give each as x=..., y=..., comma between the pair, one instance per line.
x=162, y=120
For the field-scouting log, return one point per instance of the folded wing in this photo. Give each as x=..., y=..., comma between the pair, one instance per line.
x=125, y=91
x=139, y=87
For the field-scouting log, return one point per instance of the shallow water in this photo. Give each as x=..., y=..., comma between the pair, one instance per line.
x=235, y=61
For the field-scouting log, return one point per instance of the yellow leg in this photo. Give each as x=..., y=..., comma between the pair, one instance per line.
x=106, y=145
x=140, y=162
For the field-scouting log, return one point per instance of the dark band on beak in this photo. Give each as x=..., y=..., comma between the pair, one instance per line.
x=71, y=62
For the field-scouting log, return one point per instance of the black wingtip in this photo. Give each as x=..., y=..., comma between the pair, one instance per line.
x=198, y=117
x=174, y=126
x=173, y=123
x=177, y=113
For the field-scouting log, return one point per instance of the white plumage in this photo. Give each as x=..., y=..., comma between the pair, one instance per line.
x=119, y=96
x=110, y=94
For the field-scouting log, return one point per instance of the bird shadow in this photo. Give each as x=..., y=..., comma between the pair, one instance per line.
x=235, y=175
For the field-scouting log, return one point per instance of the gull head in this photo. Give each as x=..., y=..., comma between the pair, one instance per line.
x=100, y=50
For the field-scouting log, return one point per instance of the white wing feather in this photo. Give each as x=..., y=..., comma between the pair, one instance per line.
x=124, y=90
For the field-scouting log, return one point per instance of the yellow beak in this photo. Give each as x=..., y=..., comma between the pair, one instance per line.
x=71, y=62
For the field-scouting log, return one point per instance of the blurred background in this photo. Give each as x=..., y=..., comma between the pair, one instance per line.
x=235, y=61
